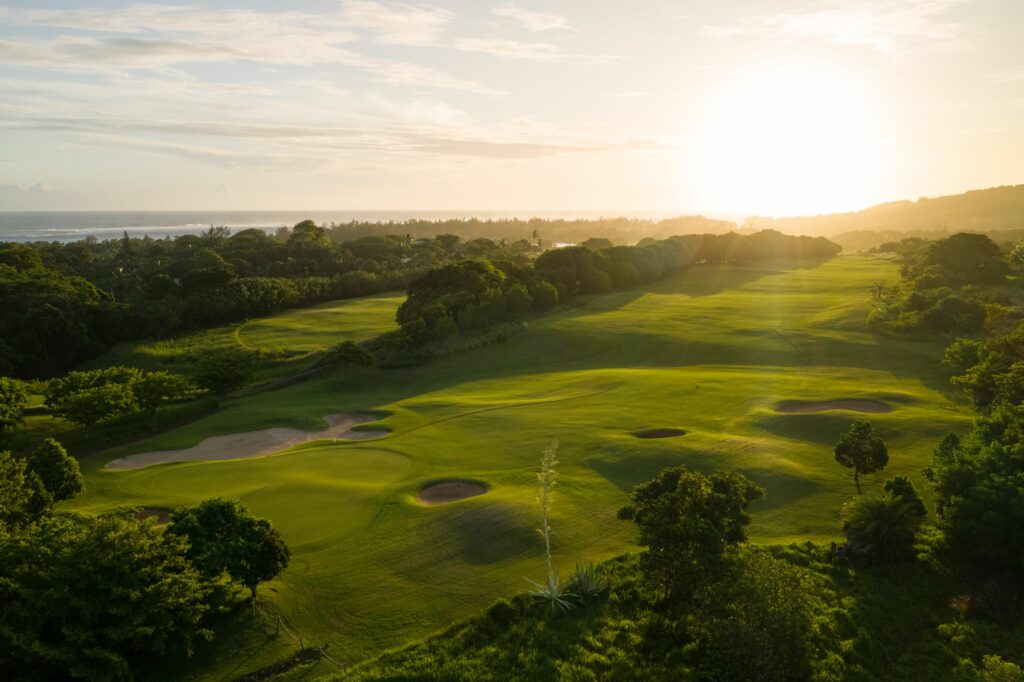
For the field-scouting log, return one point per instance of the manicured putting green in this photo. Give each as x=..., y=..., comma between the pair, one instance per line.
x=714, y=350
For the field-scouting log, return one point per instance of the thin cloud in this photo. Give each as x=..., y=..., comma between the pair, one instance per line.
x=542, y=52
x=396, y=24
x=890, y=26
x=531, y=20
x=510, y=143
x=162, y=37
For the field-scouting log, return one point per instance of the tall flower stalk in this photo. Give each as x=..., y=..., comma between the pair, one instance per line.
x=552, y=590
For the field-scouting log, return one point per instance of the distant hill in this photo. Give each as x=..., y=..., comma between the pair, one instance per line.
x=983, y=210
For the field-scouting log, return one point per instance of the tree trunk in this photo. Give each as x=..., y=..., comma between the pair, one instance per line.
x=856, y=479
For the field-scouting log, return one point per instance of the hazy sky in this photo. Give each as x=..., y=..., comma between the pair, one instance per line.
x=690, y=105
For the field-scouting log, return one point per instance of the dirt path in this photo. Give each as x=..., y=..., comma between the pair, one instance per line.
x=852, y=404
x=252, y=443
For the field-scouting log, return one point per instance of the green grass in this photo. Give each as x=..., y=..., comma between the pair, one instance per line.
x=289, y=339
x=711, y=351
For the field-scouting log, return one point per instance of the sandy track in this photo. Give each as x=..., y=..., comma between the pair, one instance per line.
x=251, y=443
x=444, y=492
x=854, y=405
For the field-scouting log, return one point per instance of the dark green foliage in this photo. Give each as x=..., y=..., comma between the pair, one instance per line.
x=859, y=449
x=777, y=613
x=687, y=522
x=967, y=258
x=940, y=292
x=57, y=470
x=762, y=621
x=881, y=528
x=95, y=404
x=224, y=537
x=903, y=489
x=154, y=389
x=979, y=485
x=223, y=370
x=20, y=492
x=346, y=354
x=94, y=597
x=13, y=399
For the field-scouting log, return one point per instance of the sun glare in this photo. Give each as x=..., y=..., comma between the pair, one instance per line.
x=789, y=140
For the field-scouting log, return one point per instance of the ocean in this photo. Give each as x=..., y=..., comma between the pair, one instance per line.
x=67, y=226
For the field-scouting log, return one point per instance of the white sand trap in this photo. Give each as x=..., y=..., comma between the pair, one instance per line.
x=252, y=443
x=852, y=404
x=444, y=492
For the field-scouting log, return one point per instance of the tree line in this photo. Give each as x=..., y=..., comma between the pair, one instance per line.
x=467, y=297
x=61, y=304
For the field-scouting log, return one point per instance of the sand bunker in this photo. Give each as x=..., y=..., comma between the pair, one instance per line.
x=452, y=490
x=162, y=516
x=659, y=433
x=252, y=443
x=852, y=404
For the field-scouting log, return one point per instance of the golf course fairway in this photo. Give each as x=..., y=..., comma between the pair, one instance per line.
x=711, y=352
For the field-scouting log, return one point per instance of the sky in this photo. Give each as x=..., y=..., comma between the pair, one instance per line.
x=715, y=106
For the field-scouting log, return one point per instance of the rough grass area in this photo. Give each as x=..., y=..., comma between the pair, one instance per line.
x=715, y=348
x=889, y=623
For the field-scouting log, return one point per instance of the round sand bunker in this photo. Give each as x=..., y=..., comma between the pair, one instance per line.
x=659, y=433
x=451, y=490
x=850, y=404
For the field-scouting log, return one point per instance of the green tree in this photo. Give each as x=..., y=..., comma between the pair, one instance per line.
x=902, y=488
x=57, y=470
x=978, y=484
x=346, y=354
x=859, y=449
x=91, y=406
x=967, y=258
x=153, y=389
x=224, y=537
x=227, y=369
x=94, y=597
x=22, y=497
x=13, y=399
x=687, y=522
x=880, y=528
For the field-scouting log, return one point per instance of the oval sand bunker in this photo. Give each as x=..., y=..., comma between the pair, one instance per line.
x=252, y=443
x=659, y=433
x=453, y=490
x=850, y=404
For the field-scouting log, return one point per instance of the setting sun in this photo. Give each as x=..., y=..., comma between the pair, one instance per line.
x=790, y=139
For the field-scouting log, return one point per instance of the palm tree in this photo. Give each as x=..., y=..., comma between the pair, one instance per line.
x=879, y=529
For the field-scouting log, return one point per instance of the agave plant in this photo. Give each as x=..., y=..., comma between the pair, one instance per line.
x=555, y=592
x=588, y=580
